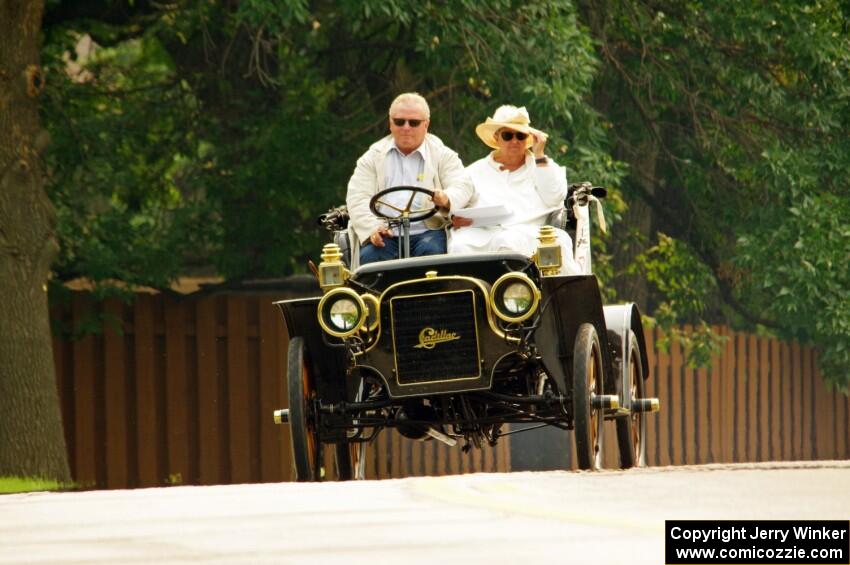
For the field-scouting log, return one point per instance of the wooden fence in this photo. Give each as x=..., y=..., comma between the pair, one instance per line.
x=761, y=400
x=182, y=391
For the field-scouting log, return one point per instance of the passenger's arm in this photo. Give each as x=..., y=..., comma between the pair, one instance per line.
x=550, y=181
x=460, y=222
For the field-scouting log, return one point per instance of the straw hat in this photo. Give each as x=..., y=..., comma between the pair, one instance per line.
x=510, y=117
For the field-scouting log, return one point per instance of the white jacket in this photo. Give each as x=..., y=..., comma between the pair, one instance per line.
x=443, y=170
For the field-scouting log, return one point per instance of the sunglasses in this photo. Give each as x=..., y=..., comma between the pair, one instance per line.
x=401, y=121
x=509, y=135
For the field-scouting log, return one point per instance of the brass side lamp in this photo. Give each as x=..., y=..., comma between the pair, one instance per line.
x=548, y=254
x=332, y=271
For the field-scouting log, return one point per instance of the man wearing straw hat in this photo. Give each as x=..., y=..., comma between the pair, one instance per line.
x=409, y=156
x=519, y=176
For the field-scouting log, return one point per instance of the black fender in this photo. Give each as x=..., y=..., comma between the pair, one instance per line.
x=567, y=303
x=620, y=319
x=327, y=362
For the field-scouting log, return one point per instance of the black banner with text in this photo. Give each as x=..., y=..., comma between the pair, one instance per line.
x=740, y=542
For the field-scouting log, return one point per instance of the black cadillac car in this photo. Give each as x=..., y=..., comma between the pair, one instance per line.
x=455, y=348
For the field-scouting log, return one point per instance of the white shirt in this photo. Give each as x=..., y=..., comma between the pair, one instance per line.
x=406, y=170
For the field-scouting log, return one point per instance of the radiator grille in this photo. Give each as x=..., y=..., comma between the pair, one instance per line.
x=434, y=337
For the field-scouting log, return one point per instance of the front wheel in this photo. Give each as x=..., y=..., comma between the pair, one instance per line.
x=587, y=383
x=303, y=425
x=631, y=431
x=351, y=457
x=350, y=461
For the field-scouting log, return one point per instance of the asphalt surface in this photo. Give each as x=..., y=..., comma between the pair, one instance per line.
x=545, y=517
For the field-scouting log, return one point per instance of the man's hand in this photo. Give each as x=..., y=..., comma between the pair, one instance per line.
x=441, y=199
x=377, y=237
x=459, y=222
x=539, y=145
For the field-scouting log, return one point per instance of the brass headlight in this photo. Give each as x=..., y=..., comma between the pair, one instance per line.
x=514, y=297
x=374, y=309
x=341, y=312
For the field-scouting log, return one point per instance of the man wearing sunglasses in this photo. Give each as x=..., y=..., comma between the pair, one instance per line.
x=520, y=177
x=409, y=156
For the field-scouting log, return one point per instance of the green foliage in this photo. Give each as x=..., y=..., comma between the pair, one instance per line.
x=685, y=283
x=804, y=283
x=270, y=204
x=734, y=117
x=120, y=162
x=678, y=275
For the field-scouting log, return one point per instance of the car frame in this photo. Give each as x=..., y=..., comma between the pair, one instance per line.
x=455, y=348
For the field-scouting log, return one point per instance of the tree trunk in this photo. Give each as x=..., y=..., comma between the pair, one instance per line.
x=32, y=443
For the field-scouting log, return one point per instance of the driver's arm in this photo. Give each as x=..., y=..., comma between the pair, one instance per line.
x=455, y=181
x=362, y=186
x=441, y=199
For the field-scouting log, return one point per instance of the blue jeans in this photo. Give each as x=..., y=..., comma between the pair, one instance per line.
x=430, y=242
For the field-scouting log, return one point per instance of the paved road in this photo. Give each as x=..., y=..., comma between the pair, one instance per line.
x=548, y=517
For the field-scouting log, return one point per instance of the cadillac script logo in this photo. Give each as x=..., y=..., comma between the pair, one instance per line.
x=429, y=337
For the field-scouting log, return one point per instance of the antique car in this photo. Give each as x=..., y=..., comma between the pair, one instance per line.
x=456, y=348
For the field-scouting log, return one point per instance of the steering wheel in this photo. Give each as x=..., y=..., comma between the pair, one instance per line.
x=414, y=215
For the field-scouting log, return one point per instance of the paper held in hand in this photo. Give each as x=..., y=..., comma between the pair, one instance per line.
x=486, y=215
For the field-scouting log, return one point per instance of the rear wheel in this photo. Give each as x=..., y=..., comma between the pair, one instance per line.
x=631, y=431
x=587, y=383
x=303, y=425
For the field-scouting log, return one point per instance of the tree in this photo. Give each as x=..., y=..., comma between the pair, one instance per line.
x=733, y=120
x=31, y=437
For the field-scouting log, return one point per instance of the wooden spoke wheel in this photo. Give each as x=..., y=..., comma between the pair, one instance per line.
x=303, y=422
x=631, y=431
x=587, y=383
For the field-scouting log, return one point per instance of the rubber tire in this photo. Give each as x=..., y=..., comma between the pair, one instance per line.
x=589, y=423
x=631, y=431
x=306, y=448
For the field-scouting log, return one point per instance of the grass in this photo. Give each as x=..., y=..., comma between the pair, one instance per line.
x=9, y=485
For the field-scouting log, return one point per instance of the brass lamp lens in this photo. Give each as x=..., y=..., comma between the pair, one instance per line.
x=517, y=298
x=344, y=314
